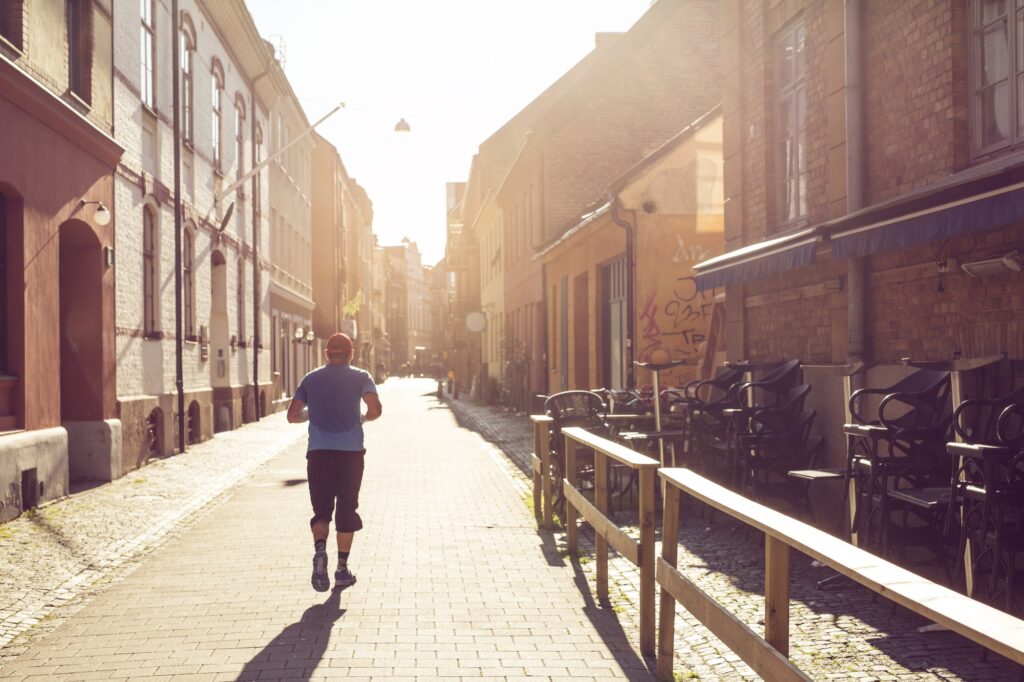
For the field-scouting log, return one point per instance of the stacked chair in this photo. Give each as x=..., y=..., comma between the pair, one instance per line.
x=896, y=439
x=986, y=493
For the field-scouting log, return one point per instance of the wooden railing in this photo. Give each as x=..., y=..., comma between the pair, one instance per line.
x=639, y=553
x=768, y=656
x=541, y=465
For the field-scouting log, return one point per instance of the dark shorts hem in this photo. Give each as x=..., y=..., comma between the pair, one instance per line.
x=335, y=476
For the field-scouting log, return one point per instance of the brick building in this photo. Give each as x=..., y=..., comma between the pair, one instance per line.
x=669, y=206
x=342, y=252
x=871, y=149
x=58, y=414
x=462, y=265
x=659, y=76
x=223, y=123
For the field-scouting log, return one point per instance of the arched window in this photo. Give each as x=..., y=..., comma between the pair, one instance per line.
x=147, y=52
x=188, y=283
x=257, y=160
x=241, y=301
x=217, y=95
x=149, y=273
x=240, y=135
x=187, y=53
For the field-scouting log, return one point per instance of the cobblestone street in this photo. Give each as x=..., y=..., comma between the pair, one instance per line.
x=841, y=632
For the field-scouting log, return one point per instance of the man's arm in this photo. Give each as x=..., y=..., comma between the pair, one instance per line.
x=373, y=407
x=295, y=414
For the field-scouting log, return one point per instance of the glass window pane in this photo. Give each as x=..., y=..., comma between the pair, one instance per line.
x=1020, y=105
x=994, y=57
x=1020, y=39
x=798, y=68
x=786, y=59
x=994, y=115
x=992, y=9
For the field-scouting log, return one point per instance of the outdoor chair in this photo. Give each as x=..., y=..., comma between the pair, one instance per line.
x=776, y=446
x=986, y=493
x=573, y=408
x=896, y=442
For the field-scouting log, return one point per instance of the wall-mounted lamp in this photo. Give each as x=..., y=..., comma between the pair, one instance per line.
x=299, y=333
x=108, y=256
x=102, y=215
x=310, y=336
x=1011, y=262
x=233, y=342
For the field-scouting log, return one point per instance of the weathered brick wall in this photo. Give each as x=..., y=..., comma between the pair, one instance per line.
x=909, y=316
x=666, y=84
x=915, y=94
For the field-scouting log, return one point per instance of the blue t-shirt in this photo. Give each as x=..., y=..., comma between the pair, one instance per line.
x=332, y=394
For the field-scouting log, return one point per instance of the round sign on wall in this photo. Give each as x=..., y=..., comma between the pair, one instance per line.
x=476, y=321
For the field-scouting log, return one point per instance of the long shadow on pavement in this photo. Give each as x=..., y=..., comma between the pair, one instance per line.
x=297, y=650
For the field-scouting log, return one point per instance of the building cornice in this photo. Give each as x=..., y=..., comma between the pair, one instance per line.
x=39, y=102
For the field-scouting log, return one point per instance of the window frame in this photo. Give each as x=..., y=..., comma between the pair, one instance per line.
x=188, y=282
x=1014, y=80
x=11, y=23
x=78, y=16
x=240, y=296
x=187, y=39
x=793, y=91
x=217, y=116
x=239, y=138
x=150, y=326
x=147, y=77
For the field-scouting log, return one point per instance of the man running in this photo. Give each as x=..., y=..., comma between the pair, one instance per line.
x=334, y=457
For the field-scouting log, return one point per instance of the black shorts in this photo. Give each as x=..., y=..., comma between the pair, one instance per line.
x=335, y=474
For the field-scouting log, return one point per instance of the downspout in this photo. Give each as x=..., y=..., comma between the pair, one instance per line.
x=630, y=228
x=257, y=199
x=179, y=369
x=856, y=284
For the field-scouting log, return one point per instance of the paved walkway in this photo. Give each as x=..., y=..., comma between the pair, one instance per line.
x=454, y=580
x=841, y=633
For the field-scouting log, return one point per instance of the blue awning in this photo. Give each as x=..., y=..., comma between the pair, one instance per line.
x=985, y=211
x=757, y=260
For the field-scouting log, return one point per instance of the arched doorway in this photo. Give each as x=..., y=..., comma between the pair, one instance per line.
x=220, y=370
x=81, y=323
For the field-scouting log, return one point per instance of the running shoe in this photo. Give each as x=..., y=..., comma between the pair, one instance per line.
x=344, y=577
x=321, y=582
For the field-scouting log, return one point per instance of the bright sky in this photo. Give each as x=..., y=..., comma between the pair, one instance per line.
x=456, y=70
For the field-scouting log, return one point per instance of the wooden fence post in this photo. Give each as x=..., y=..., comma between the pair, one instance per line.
x=570, y=511
x=601, y=500
x=647, y=561
x=667, y=605
x=545, y=475
x=539, y=433
x=776, y=594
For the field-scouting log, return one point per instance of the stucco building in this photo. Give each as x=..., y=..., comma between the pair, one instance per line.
x=224, y=91
x=58, y=415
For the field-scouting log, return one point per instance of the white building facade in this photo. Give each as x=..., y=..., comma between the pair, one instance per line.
x=226, y=84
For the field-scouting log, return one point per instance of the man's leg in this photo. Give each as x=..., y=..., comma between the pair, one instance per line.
x=347, y=521
x=319, y=473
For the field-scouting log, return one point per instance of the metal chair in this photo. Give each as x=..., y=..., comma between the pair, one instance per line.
x=573, y=408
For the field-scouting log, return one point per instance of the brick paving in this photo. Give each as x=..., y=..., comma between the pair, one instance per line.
x=54, y=559
x=454, y=580
x=842, y=632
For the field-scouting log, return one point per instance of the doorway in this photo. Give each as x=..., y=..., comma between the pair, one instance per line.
x=81, y=323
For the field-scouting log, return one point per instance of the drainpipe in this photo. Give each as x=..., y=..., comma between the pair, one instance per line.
x=855, y=285
x=630, y=228
x=179, y=369
x=257, y=320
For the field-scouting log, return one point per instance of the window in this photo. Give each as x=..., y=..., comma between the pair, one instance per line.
x=147, y=52
x=79, y=17
x=240, y=136
x=791, y=125
x=188, y=283
x=256, y=178
x=217, y=95
x=187, y=55
x=241, y=301
x=11, y=21
x=997, y=75
x=149, y=277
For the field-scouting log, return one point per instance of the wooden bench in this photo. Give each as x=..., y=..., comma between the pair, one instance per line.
x=639, y=553
x=768, y=656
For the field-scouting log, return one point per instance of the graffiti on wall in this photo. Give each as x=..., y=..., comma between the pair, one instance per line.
x=689, y=252
x=674, y=327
